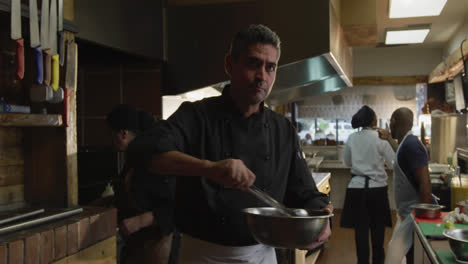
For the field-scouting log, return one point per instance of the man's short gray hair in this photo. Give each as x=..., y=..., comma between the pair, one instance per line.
x=251, y=35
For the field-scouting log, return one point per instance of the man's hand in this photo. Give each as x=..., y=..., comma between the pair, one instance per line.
x=231, y=173
x=133, y=224
x=384, y=133
x=326, y=232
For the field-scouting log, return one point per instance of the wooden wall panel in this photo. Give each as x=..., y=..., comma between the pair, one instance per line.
x=142, y=88
x=12, y=194
x=11, y=166
x=116, y=78
x=96, y=133
x=11, y=175
x=101, y=90
x=45, y=177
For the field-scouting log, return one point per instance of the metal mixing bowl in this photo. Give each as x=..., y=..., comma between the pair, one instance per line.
x=423, y=210
x=271, y=228
x=458, y=240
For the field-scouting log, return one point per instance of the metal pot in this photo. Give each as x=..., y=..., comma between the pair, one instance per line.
x=269, y=227
x=431, y=211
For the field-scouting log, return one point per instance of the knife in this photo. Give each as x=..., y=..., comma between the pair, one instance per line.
x=35, y=41
x=61, y=41
x=54, y=83
x=16, y=36
x=45, y=40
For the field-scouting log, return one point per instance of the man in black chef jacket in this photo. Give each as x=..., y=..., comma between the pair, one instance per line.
x=220, y=146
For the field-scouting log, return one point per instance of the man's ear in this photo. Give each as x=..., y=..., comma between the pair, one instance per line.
x=228, y=64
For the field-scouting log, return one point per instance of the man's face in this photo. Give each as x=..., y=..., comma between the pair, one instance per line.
x=253, y=73
x=120, y=139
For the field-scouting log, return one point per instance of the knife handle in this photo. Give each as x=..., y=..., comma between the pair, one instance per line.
x=39, y=74
x=47, y=59
x=61, y=48
x=54, y=83
x=20, y=58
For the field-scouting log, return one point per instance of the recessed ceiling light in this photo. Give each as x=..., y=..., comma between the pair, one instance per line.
x=415, y=8
x=410, y=36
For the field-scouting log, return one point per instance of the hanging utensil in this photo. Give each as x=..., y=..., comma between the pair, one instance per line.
x=16, y=36
x=53, y=46
x=45, y=40
x=35, y=40
x=61, y=37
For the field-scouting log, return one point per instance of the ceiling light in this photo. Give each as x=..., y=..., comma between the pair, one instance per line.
x=415, y=8
x=411, y=36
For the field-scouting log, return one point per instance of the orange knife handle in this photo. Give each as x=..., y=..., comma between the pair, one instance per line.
x=47, y=66
x=20, y=58
x=54, y=83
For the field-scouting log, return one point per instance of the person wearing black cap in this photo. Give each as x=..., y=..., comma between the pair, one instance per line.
x=366, y=204
x=144, y=202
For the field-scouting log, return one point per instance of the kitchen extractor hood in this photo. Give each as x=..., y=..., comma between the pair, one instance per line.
x=314, y=56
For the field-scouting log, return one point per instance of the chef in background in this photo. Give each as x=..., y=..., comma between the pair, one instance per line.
x=412, y=183
x=144, y=203
x=366, y=205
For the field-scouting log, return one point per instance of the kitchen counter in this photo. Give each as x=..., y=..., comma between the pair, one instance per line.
x=321, y=178
x=429, y=244
x=322, y=182
x=333, y=164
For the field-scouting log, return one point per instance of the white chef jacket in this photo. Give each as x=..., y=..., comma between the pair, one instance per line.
x=365, y=153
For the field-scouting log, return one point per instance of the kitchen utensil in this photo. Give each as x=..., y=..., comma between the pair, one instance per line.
x=57, y=96
x=272, y=202
x=270, y=227
x=45, y=40
x=458, y=241
x=38, y=91
x=61, y=42
x=16, y=36
x=54, y=83
x=430, y=211
x=35, y=40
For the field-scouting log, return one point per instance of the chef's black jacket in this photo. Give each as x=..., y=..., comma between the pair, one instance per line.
x=213, y=129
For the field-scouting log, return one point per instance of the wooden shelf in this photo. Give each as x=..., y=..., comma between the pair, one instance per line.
x=29, y=120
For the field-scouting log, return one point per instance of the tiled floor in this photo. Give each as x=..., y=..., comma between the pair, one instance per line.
x=341, y=248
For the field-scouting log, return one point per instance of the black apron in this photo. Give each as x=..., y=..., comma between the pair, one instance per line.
x=366, y=205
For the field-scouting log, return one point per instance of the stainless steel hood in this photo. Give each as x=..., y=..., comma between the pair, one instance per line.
x=314, y=59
